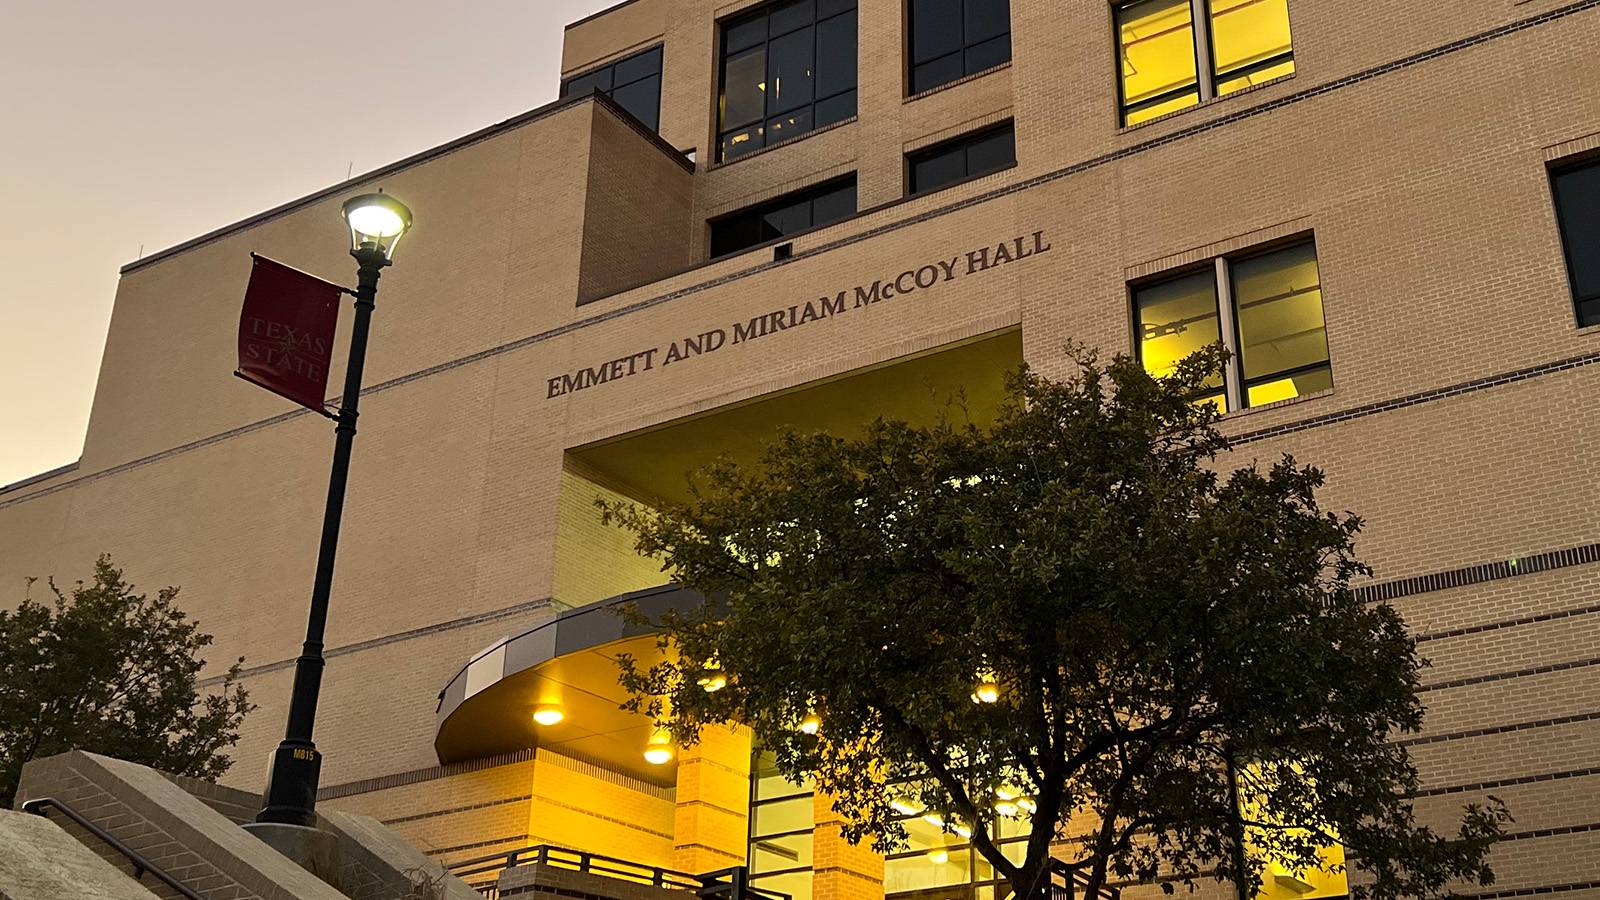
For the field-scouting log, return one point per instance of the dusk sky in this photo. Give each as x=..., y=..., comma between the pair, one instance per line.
x=130, y=125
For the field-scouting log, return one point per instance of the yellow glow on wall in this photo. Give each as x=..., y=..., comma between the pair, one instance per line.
x=1246, y=32
x=1280, y=882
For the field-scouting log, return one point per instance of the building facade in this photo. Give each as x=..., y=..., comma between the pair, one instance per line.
x=754, y=214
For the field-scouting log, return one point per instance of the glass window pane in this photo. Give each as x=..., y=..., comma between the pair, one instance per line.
x=1279, y=302
x=1175, y=319
x=1154, y=110
x=796, y=884
x=987, y=19
x=826, y=8
x=742, y=33
x=744, y=86
x=992, y=152
x=734, y=233
x=1257, y=76
x=584, y=84
x=935, y=28
x=789, y=71
x=1577, y=195
x=836, y=109
x=642, y=99
x=931, y=74
x=988, y=54
x=788, y=125
x=935, y=868
x=831, y=206
x=935, y=170
x=640, y=65
x=741, y=141
x=769, y=782
x=1289, y=388
x=1246, y=32
x=776, y=854
x=792, y=15
x=836, y=55
x=786, y=219
x=1155, y=39
x=781, y=815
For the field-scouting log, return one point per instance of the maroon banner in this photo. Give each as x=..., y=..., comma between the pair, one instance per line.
x=286, y=332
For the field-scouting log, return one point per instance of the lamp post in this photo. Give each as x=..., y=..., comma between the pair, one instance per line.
x=377, y=222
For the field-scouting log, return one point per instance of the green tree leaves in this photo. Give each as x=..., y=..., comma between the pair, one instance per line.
x=105, y=669
x=1144, y=616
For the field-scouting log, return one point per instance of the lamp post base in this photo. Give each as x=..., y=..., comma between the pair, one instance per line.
x=315, y=851
x=291, y=795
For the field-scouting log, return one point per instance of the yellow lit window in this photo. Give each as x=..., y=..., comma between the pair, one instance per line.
x=1168, y=64
x=1155, y=40
x=1175, y=319
x=1283, y=340
x=1250, y=42
x=1279, y=880
x=1273, y=329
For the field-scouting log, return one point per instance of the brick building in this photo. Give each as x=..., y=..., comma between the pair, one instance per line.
x=811, y=212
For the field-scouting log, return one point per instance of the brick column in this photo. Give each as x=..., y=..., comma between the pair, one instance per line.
x=711, y=823
x=841, y=871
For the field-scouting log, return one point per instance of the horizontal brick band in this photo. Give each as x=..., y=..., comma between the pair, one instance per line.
x=1505, y=676
x=1493, y=571
x=1500, y=729
x=1506, y=782
x=449, y=625
x=508, y=839
x=1532, y=891
x=1510, y=623
x=455, y=810
x=417, y=776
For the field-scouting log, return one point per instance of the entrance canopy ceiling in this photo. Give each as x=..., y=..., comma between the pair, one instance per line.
x=567, y=664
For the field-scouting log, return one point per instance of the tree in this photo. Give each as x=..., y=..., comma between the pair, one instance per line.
x=1069, y=610
x=108, y=670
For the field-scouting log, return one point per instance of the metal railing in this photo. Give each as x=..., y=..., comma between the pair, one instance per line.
x=482, y=872
x=1068, y=881
x=140, y=864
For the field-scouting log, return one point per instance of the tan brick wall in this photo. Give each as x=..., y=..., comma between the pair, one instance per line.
x=1424, y=184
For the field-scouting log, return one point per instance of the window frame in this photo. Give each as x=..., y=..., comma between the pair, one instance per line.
x=751, y=837
x=1556, y=170
x=910, y=67
x=720, y=131
x=966, y=139
x=1235, y=391
x=810, y=193
x=659, y=49
x=1207, y=78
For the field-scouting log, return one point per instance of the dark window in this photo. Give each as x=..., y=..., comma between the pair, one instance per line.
x=787, y=69
x=635, y=83
x=951, y=39
x=1577, y=192
x=784, y=216
x=965, y=157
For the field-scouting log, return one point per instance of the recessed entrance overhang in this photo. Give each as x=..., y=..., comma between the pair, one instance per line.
x=568, y=664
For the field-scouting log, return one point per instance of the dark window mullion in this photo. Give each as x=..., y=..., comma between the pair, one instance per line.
x=1255, y=67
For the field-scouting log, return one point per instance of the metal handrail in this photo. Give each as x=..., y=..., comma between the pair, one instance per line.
x=1074, y=877
x=140, y=864
x=575, y=860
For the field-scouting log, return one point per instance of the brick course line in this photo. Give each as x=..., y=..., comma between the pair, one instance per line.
x=1477, y=574
x=415, y=776
x=1531, y=891
x=1506, y=676
x=1506, y=782
x=1500, y=729
x=434, y=814
x=490, y=843
x=424, y=631
x=1511, y=623
x=938, y=212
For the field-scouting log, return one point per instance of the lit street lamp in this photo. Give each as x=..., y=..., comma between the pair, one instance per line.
x=377, y=222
